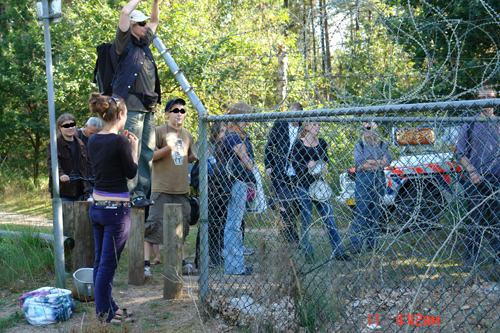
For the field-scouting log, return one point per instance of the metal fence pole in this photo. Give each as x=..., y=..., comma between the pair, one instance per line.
x=189, y=91
x=56, y=201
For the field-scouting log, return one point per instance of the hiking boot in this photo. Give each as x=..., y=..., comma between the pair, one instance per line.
x=140, y=202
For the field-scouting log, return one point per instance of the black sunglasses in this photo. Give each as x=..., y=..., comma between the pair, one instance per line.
x=367, y=128
x=142, y=24
x=68, y=125
x=176, y=110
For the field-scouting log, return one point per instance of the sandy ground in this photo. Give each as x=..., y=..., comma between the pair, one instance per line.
x=151, y=311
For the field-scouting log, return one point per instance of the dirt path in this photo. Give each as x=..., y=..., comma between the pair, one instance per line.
x=151, y=311
x=7, y=217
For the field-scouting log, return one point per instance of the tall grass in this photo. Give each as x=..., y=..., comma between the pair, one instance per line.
x=27, y=262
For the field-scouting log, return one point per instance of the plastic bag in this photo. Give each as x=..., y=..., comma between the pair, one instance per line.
x=47, y=305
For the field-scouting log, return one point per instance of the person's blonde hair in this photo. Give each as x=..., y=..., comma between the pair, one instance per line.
x=238, y=108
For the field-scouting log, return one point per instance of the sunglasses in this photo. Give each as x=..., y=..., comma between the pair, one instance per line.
x=367, y=128
x=68, y=125
x=142, y=24
x=176, y=110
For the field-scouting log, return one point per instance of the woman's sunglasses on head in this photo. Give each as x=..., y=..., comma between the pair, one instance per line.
x=68, y=125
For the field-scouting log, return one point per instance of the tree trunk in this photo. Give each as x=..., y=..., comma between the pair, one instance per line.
x=282, y=74
x=322, y=36
x=327, y=43
x=285, y=3
x=313, y=36
x=36, y=171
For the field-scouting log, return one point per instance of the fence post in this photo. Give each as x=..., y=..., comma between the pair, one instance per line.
x=136, y=247
x=84, y=236
x=69, y=231
x=172, y=238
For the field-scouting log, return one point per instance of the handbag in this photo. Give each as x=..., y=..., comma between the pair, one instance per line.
x=319, y=190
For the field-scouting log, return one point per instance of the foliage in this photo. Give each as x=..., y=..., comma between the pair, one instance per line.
x=27, y=262
x=11, y=321
x=453, y=44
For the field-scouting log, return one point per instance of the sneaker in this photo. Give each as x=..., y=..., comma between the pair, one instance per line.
x=140, y=202
x=188, y=269
x=150, y=202
x=247, y=251
x=247, y=272
x=147, y=272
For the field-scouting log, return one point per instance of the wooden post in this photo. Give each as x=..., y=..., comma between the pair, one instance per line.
x=172, y=238
x=84, y=236
x=69, y=231
x=136, y=247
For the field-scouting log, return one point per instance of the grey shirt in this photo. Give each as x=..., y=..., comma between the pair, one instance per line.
x=367, y=151
x=145, y=81
x=482, y=148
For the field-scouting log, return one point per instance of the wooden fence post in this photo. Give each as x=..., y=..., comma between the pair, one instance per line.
x=84, y=236
x=136, y=247
x=69, y=231
x=172, y=238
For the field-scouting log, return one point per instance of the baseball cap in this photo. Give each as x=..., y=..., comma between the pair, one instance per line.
x=138, y=16
x=173, y=101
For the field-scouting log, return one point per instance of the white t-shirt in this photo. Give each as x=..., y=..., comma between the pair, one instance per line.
x=293, y=133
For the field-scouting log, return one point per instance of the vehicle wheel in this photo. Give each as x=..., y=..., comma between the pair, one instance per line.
x=419, y=204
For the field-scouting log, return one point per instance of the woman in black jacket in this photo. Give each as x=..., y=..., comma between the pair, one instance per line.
x=309, y=152
x=71, y=160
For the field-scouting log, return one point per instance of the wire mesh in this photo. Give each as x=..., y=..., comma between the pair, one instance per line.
x=382, y=230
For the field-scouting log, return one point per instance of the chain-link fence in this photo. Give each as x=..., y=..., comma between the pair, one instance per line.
x=352, y=219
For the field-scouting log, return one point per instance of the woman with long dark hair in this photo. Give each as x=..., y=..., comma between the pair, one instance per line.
x=310, y=152
x=239, y=149
x=114, y=158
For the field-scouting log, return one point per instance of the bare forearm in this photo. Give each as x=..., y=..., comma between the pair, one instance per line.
x=191, y=159
x=155, y=12
x=135, y=158
x=160, y=153
x=467, y=165
x=129, y=7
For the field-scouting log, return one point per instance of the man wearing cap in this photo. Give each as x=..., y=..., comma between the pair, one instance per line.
x=137, y=82
x=170, y=181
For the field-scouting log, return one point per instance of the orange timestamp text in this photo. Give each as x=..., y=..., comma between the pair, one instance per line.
x=408, y=319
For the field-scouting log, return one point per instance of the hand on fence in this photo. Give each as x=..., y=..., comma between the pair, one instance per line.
x=64, y=178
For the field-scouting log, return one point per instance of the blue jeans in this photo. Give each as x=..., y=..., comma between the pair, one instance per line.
x=111, y=228
x=142, y=124
x=325, y=209
x=487, y=214
x=233, y=239
x=370, y=189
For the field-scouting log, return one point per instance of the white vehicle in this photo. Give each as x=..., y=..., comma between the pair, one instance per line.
x=422, y=182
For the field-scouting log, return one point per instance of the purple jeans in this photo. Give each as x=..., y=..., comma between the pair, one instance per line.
x=111, y=228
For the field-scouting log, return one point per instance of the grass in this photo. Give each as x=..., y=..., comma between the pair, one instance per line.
x=11, y=321
x=19, y=194
x=27, y=262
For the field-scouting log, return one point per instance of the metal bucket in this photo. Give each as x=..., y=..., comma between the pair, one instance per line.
x=84, y=286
